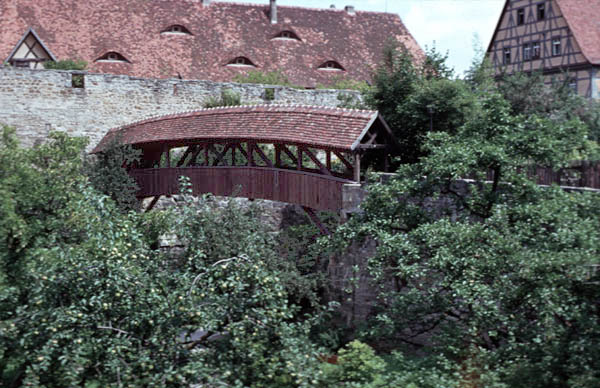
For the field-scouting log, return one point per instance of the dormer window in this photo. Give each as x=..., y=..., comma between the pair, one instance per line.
x=241, y=62
x=332, y=66
x=176, y=29
x=286, y=35
x=112, y=56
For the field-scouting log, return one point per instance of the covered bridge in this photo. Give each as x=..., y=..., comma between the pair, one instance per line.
x=303, y=155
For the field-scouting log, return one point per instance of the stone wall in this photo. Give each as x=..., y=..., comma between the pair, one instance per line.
x=36, y=101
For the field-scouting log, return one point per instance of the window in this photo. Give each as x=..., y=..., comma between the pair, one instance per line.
x=572, y=84
x=77, y=80
x=556, y=49
x=535, y=50
x=241, y=62
x=541, y=11
x=521, y=16
x=20, y=63
x=112, y=56
x=331, y=65
x=526, y=52
x=507, y=55
x=286, y=35
x=176, y=29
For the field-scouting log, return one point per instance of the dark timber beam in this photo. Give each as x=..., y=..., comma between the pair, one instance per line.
x=316, y=160
x=152, y=203
x=316, y=220
x=264, y=157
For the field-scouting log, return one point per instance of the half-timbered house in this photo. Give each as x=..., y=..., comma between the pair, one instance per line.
x=560, y=38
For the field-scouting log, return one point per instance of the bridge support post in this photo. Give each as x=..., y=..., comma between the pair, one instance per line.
x=357, y=167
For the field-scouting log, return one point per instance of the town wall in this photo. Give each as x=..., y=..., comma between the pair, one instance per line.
x=37, y=101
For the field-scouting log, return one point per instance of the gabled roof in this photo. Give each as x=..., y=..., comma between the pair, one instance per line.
x=583, y=18
x=39, y=41
x=75, y=29
x=321, y=127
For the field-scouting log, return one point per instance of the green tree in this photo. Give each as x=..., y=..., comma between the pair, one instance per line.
x=493, y=273
x=107, y=173
x=417, y=99
x=85, y=300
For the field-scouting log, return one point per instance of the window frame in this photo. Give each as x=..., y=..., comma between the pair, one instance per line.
x=556, y=42
x=536, y=50
x=572, y=84
x=331, y=65
x=241, y=61
x=520, y=16
x=112, y=57
x=176, y=29
x=506, y=55
x=287, y=35
x=541, y=11
x=526, y=51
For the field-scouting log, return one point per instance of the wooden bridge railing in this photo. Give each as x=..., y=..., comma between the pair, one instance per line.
x=316, y=191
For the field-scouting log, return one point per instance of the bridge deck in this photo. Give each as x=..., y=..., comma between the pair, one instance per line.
x=311, y=190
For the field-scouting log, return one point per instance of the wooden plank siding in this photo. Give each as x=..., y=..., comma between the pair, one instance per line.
x=315, y=191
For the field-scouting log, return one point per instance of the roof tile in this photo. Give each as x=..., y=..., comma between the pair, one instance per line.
x=75, y=29
x=326, y=128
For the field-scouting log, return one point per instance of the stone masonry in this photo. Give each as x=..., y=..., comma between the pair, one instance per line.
x=36, y=101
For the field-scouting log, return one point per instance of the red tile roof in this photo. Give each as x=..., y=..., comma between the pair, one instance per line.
x=321, y=127
x=75, y=29
x=583, y=18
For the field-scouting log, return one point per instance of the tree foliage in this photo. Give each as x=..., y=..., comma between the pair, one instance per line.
x=85, y=300
x=228, y=98
x=417, y=99
x=495, y=274
x=66, y=64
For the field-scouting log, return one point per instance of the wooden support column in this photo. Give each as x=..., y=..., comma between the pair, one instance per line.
x=277, y=156
x=168, y=155
x=357, y=167
x=386, y=166
x=250, y=146
x=233, y=148
x=328, y=163
x=299, y=160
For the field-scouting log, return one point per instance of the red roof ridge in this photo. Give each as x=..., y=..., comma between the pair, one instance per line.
x=248, y=4
x=237, y=108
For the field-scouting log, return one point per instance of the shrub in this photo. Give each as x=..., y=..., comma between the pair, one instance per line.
x=228, y=98
x=66, y=64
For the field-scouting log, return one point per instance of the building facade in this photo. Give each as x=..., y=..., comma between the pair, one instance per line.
x=200, y=39
x=560, y=38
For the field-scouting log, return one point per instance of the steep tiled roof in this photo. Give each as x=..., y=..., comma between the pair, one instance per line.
x=583, y=18
x=220, y=32
x=330, y=128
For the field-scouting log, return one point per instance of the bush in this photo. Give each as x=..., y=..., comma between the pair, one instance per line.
x=259, y=77
x=228, y=98
x=66, y=64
